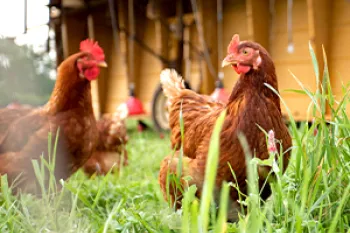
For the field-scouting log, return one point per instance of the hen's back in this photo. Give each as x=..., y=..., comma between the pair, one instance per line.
x=8, y=116
x=111, y=151
x=199, y=112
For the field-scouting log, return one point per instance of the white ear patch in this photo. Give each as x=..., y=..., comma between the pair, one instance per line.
x=257, y=62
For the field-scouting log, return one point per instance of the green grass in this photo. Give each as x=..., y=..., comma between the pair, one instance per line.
x=312, y=196
x=129, y=201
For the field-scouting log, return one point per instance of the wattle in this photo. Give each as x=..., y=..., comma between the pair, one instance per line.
x=92, y=73
x=241, y=69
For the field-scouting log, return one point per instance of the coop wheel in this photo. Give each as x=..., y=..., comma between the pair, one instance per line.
x=160, y=115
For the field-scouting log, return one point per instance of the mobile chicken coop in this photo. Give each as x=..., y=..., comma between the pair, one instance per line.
x=141, y=37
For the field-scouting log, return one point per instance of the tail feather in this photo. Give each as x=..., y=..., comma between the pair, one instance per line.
x=172, y=84
x=117, y=119
x=121, y=112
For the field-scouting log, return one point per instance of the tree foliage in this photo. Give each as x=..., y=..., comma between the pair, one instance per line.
x=24, y=75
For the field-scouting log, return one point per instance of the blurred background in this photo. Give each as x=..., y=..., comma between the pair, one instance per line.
x=27, y=53
x=141, y=37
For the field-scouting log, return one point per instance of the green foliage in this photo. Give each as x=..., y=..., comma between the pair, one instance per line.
x=210, y=173
x=24, y=75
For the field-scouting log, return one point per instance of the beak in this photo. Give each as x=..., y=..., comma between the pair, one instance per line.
x=228, y=61
x=102, y=64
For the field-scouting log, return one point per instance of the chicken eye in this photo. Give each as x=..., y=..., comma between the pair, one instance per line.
x=245, y=52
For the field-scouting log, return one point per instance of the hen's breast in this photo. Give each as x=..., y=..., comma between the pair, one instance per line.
x=262, y=114
x=259, y=113
x=248, y=116
x=79, y=137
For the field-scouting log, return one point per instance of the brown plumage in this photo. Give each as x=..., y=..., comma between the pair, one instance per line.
x=8, y=115
x=24, y=132
x=110, y=152
x=251, y=103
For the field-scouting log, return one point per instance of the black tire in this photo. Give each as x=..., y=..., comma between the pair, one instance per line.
x=160, y=115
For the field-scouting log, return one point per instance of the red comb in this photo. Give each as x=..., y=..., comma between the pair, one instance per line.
x=92, y=47
x=232, y=47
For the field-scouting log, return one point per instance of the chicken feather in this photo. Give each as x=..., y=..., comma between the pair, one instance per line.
x=251, y=106
x=24, y=132
x=111, y=150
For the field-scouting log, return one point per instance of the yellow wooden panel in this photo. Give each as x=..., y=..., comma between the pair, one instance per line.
x=299, y=15
x=340, y=47
x=120, y=94
x=195, y=64
x=96, y=101
x=320, y=21
x=339, y=74
x=303, y=72
x=102, y=35
x=73, y=32
x=207, y=28
x=235, y=21
x=149, y=67
x=299, y=61
x=299, y=106
x=116, y=78
x=149, y=83
x=340, y=12
x=116, y=90
x=339, y=59
x=258, y=14
x=116, y=95
x=297, y=103
x=301, y=47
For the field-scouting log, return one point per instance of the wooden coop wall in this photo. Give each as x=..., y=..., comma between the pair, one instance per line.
x=251, y=22
x=117, y=87
x=323, y=22
x=149, y=66
x=75, y=29
x=234, y=21
x=320, y=21
x=338, y=52
x=298, y=62
x=112, y=85
x=194, y=63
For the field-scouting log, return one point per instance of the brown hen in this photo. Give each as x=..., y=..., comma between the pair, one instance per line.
x=24, y=132
x=251, y=103
x=111, y=151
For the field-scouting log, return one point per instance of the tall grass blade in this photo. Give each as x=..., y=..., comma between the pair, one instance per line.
x=315, y=64
x=115, y=209
x=210, y=172
x=254, y=220
x=221, y=223
x=189, y=196
x=344, y=199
